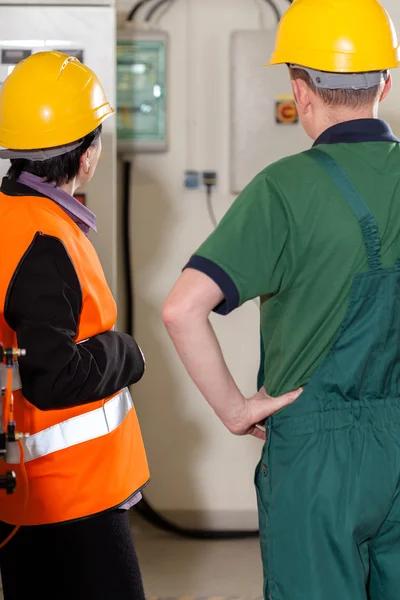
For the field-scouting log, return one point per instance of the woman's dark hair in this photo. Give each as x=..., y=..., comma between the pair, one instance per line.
x=60, y=169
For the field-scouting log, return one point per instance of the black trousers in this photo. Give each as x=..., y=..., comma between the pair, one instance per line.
x=91, y=559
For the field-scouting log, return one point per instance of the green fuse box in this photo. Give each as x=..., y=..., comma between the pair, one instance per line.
x=141, y=91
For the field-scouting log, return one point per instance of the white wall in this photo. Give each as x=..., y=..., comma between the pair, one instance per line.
x=390, y=109
x=196, y=465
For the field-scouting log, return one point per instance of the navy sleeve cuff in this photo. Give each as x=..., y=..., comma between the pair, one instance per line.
x=222, y=279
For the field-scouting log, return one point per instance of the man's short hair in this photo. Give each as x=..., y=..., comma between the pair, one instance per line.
x=354, y=99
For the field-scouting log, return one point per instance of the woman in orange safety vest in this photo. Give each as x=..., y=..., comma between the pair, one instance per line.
x=83, y=464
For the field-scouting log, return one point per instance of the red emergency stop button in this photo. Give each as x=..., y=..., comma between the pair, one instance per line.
x=286, y=112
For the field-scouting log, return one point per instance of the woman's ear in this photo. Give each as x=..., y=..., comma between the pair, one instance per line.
x=85, y=162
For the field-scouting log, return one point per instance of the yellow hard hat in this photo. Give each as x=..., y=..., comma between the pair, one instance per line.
x=48, y=100
x=338, y=36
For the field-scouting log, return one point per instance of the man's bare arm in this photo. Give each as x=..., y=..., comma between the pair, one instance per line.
x=186, y=316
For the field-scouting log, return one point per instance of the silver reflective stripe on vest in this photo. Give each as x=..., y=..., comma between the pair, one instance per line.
x=16, y=379
x=94, y=424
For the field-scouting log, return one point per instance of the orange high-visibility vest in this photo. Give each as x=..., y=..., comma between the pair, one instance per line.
x=83, y=460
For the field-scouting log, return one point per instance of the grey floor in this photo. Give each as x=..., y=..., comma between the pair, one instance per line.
x=176, y=568
x=179, y=568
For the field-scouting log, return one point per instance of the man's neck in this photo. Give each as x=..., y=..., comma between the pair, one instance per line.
x=334, y=117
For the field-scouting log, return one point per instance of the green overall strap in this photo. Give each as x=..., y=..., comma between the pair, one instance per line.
x=356, y=203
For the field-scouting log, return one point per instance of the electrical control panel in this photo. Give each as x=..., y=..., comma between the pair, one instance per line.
x=86, y=30
x=13, y=51
x=141, y=91
x=264, y=123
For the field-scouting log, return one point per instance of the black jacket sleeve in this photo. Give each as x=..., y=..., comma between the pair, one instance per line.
x=43, y=306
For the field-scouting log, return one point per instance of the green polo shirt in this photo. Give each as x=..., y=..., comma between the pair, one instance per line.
x=291, y=239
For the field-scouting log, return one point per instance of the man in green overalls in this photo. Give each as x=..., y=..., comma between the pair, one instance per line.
x=317, y=237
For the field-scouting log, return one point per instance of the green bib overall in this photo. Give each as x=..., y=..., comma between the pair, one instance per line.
x=328, y=483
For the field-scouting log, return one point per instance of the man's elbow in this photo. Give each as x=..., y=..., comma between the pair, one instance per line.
x=176, y=312
x=172, y=313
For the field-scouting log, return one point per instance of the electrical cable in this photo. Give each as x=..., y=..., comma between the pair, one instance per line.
x=210, y=207
x=151, y=516
x=126, y=213
x=8, y=417
x=260, y=14
x=163, y=12
x=160, y=3
x=136, y=8
x=143, y=508
x=275, y=9
x=155, y=8
x=214, y=221
x=26, y=495
x=8, y=405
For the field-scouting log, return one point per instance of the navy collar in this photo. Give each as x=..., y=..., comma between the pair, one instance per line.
x=360, y=130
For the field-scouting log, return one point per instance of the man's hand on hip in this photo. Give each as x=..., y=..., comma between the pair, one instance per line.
x=257, y=409
x=186, y=316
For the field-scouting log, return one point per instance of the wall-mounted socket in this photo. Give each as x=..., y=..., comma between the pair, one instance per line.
x=192, y=180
